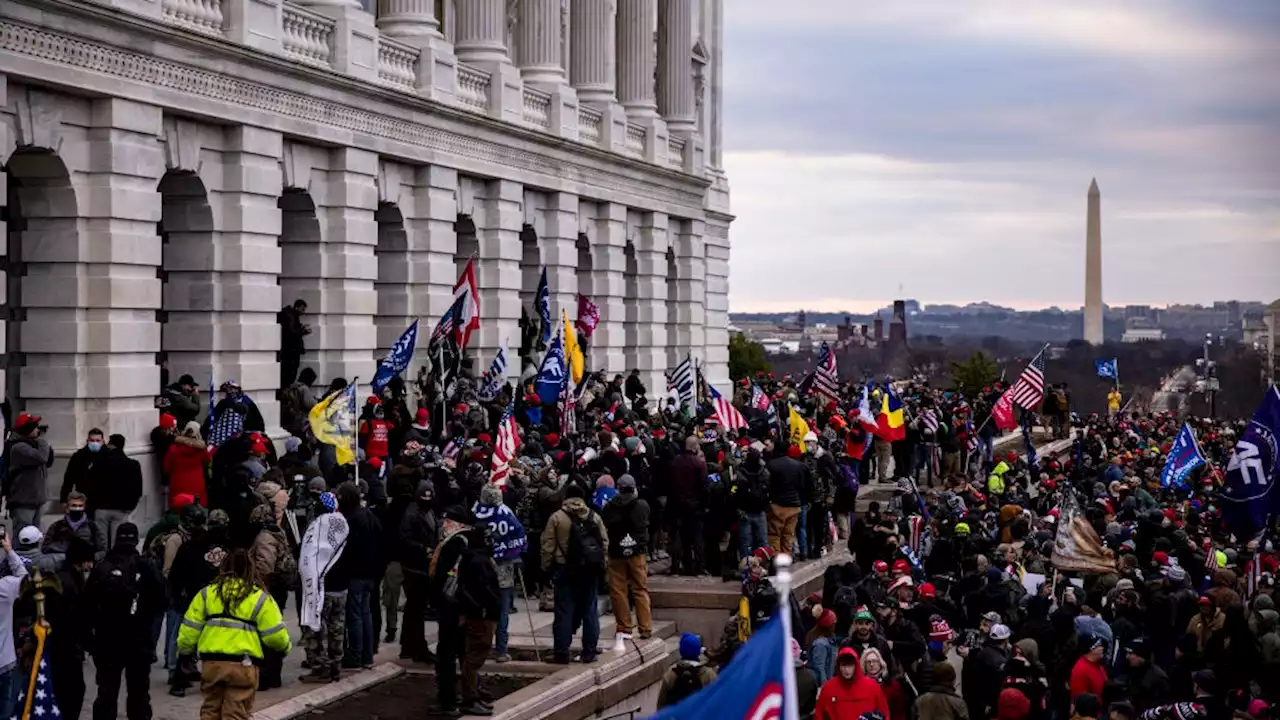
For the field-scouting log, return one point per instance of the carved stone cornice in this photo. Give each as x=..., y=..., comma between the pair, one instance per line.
x=557, y=160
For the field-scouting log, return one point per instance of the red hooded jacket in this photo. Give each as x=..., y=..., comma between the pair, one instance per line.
x=841, y=699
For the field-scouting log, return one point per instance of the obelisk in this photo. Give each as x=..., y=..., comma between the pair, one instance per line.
x=1093, y=268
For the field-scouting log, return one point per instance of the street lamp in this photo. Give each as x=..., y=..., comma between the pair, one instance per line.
x=1208, y=371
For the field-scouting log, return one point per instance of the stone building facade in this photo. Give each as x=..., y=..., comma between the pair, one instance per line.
x=177, y=170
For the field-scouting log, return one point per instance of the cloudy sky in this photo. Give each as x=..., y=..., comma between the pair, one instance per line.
x=945, y=146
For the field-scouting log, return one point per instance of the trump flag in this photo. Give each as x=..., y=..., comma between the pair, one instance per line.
x=1247, y=498
x=1184, y=457
x=758, y=684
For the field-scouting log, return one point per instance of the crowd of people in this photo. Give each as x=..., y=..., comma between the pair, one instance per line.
x=932, y=616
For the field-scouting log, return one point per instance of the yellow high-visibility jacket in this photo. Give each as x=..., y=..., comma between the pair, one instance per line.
x=219, y=633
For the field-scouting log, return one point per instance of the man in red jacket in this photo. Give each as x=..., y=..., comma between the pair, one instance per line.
x=1088, y=675
x=850, y=693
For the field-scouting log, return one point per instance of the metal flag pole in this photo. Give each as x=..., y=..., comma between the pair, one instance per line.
x=528, y=612
x=782, y=565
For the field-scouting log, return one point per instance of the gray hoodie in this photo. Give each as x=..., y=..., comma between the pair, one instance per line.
x=29, y=468
x=10, y=584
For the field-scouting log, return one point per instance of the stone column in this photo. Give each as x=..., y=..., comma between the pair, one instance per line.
x=481, y=31
x=675, y=65
x=608, y=236
x=499, y=219
x=247, y=219
x=594, y=34
x=559, y=243
x=539, y=44
x=716, y=244
x=686, y=310
x=651, y=339
x=408, y=18
x=635, y=53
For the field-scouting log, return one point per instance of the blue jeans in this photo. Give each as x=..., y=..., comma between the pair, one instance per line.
x=9, y=681
x=752, y=532
x=576, y=597
x=360, y=639
x=172, y=621
x=802, y=534
x=501, y=635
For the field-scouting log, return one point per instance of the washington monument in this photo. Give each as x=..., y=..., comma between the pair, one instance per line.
x=1093, y=268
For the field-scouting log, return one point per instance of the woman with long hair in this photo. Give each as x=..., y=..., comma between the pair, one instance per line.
x=227, y=625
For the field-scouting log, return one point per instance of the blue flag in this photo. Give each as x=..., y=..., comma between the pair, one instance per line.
x=1108, y=368
x=397, y=360
x=509, y=539
x=1247, y=499
x=553, y=373
x=1184, y=457
x=542, y=303
x=758, y=683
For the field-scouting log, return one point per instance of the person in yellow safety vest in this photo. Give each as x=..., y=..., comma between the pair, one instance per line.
x=227, y=624
x=995, y=483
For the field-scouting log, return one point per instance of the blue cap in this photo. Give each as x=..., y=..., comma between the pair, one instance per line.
x=690, y=646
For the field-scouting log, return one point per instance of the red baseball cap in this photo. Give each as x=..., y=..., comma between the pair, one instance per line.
x=25, y=419
x=880, y=566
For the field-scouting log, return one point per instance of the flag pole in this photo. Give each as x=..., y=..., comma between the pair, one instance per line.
x=782, y=564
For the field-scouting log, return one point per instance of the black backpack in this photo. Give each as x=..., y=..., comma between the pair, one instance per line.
x=585, y=550
x=118, y=594
x=688, y=681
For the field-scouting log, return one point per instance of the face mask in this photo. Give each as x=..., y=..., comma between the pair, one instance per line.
x=94, y=446
x=75, y=515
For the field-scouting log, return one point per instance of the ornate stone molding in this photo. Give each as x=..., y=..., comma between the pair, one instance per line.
x=114, y=62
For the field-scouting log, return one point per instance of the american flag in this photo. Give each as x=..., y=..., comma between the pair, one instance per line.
x=449, y=321
x=759, y=400
x=505, y=447
x=226, y=425
x=825, y=380
x=42, y=703
x=971, y=445
x=725, y=413
x=1252, y=577
x=450, y=450
x=915, y=524
x=1028, y=391
x=929, y=419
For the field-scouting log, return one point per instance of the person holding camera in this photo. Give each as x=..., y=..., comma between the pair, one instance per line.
x=29, y=459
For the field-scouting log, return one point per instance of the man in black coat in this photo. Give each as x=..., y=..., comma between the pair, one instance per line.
x=123, y=597
x=688, y=497
x=418, y=534
x=788, y=483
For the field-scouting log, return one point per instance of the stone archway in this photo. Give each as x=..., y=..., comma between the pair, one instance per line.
x=468, y=242
x=631, y=307
x=41, y=211
x=586, y=266
x=530, y=268
x=302, y=266
x=191, y=288
x=394, y=272
x=674, y=353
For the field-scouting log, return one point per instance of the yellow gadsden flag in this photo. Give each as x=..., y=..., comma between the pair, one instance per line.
x=572, y=350
x=799, y=428
x=333, y=422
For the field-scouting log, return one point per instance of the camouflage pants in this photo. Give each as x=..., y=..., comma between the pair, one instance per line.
x=324, y=647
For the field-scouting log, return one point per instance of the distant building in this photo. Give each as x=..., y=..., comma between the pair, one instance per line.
x=1142, y=334
x=898, y=328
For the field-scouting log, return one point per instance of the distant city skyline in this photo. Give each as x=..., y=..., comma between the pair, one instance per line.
x=948, y=147
x=866, y=307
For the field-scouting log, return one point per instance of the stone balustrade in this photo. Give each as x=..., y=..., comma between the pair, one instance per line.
x=307, y=36
x=537, y=108
x=204, y=16
x=333, y=36
x=397, y=63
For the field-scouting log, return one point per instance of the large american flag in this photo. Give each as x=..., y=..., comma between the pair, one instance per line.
x=725, y=413
x=504, y=447
x=42, y=703
x=1028, y=390
x=825, y=380
x=449, y=321
x=759, y=400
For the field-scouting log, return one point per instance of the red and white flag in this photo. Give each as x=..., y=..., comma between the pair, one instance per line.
x=504, y=447
x=915, y=524
x=725, y=413
x=1027, y=392
x=588, y=316
x=470, y=320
